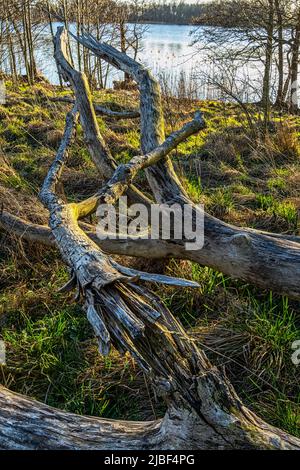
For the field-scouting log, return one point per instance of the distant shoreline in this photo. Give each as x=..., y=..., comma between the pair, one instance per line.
x=161, y=22
x=148, y=23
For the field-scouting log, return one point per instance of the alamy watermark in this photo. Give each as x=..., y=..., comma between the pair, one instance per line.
x=158, y=222
x=295, y=92
x=2, y=353
x=296, y=354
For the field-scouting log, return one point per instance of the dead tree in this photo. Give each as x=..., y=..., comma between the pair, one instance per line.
x=204, y=411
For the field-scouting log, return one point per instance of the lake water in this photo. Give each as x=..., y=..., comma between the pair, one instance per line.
x=166, y=49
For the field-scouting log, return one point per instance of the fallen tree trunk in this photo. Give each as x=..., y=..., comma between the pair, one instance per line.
x=267, y=260
x=26, y=424
x=204, y=411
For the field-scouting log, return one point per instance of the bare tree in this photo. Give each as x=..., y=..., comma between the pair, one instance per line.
x=262, y=32
x=294, y=98
x=130, y=34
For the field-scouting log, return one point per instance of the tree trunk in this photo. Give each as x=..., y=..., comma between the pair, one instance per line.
x=268, y=66
x=294, y=102
x=279, y=98
x=53, y=36
x=122, y=29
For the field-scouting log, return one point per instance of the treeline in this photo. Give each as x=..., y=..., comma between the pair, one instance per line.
x=139, y=11
x=23, y=33
x=166, y=12
x=265, y=33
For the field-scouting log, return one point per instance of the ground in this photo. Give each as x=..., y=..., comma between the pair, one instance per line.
x=240, y=177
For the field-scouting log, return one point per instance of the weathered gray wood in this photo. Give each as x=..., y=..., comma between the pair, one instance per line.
x=42, y=234
x=125, y=173
x=26, y=424
x=158, y=278
x=152, y=249
x=166, y=187
x=201, y=424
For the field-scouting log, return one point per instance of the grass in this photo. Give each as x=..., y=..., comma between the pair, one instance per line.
x=221, y=202
x=193, y=187
x=277, y=184
x=285, y=210
x=50, y=359
x=52, y=354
